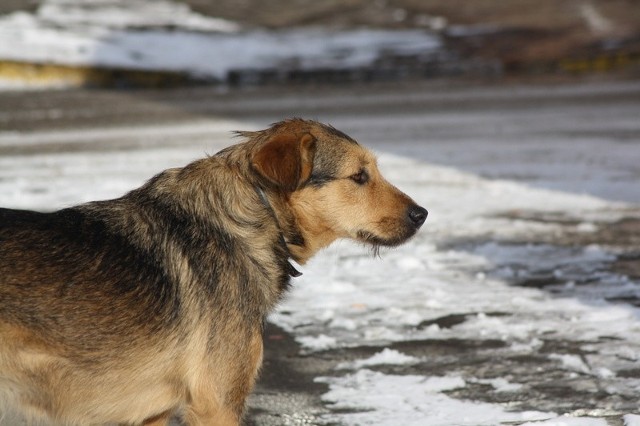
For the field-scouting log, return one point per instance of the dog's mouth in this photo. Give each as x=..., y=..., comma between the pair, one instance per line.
x=397, y=232
x=379, y=241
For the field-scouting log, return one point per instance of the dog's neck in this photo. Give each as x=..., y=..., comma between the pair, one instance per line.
x=283, y=241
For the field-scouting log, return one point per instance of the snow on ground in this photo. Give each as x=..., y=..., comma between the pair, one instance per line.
x=167, y=36
x=352, y=290
x=412, y=401
x=632, y=420
x=568, y=421
x=361, y=300
x=347, y=297
x=386, y=356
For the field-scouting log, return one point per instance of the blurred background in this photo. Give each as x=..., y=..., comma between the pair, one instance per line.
x=515, y=123
x=160, y=42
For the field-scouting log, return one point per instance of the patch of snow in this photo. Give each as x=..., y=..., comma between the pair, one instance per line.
x=572, y=362
x=596, y=21
x=123, y=14
x=631, y=420
x=586, y=227
x=568, y=421
x=317, y=343
x=528, y=346
x=605, y=373
x=409, y=263
x=499, y=384
x=380, y=399
x=385, y=357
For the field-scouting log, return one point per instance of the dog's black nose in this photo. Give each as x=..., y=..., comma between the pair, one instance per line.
x=417, y=215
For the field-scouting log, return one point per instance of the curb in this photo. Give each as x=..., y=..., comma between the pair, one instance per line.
x=55, y=75
x=41, y=75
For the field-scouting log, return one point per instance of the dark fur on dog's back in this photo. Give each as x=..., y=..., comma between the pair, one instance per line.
x=73, y=258
x=130, y=310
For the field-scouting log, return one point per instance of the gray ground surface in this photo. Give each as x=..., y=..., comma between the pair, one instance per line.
x=522, y=132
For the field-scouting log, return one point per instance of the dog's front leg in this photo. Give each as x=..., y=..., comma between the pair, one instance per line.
x=207, y=413
x=206, y=409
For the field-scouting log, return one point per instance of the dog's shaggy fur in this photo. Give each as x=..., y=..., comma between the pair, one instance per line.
x=135, y=309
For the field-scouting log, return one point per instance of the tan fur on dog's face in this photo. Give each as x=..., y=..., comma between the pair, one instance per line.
x=338, y=191
x=356, y=202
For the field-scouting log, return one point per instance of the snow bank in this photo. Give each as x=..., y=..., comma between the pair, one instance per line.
x=167, y=36
x=127, y=14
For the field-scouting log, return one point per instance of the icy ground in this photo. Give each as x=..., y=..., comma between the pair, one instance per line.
x=492, y=347
x=426, y=291
x=167, y=36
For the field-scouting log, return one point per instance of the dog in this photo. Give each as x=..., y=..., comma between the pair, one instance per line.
x=135, y=310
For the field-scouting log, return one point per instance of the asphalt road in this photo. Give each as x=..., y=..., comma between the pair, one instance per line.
x=520, y=132
x=528, y=133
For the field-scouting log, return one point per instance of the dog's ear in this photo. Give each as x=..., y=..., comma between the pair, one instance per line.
x=286, y=160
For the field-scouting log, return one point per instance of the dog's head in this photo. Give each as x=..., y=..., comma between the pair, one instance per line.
x=332, y=187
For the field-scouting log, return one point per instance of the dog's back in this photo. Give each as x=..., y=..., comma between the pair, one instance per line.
x=71, y=261
x=71, y=292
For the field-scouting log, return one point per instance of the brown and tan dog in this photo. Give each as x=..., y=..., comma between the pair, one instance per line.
x=135, y=309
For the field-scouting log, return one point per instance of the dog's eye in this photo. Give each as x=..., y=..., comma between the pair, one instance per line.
x=360, y=178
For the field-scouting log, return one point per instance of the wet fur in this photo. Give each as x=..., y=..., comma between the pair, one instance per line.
x=135, y=309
